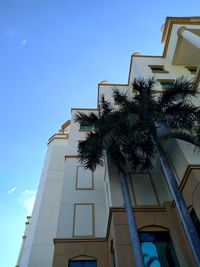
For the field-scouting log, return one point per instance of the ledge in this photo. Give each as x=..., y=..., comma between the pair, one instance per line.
x=78, y=240
x=57, y=136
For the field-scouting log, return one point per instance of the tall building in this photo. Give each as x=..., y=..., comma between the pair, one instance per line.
x=79, y=218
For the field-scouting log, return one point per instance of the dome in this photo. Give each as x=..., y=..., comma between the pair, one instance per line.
x=136, y=53
x=104, y=82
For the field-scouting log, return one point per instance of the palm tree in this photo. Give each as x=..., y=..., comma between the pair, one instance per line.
x=172, y=111
x=112, y=142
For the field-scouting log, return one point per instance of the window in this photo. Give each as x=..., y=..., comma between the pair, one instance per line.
x=158, y=69
x=116, y=102
x=157, y=249
x=82, y=263
x=166, y=84
x=196, y=221
x=86, y=127
x=192, y=69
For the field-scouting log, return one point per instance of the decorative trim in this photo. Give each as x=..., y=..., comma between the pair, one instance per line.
x=86, y=131
x=93, y=220
x=84, y=188
x=191, y=69
x=130, y=68
x=152, y=208
x=162, y=69
x=78, y=240
x=89, y=109
x=173, y=167
x=186, y=175
x=57, y=136
x=153, y=225
x=172, y=22
x=153, y=187
x=132, y=187
x=107, y=193
x=114, y=84
x=181, y=30
x=149, y=56
x=166, y=80
x=82, y=257
x=71, y=157
x=178, y=20
x=65, y=125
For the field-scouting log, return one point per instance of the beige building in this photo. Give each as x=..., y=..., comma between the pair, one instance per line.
x=79, y=220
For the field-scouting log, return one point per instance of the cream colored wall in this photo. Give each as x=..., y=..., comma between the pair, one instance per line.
x=181, y=155
x=107, y=91
x=74, y=134
x=140, y=69
x=72, y=196
x=38, y=246
x=174, y=38
x=81, y=197
x=154, y=188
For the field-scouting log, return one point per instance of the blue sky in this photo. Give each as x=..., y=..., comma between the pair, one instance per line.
x=52, y=56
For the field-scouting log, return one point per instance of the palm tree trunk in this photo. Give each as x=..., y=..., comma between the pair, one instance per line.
x=131, y=221
x=188, y=225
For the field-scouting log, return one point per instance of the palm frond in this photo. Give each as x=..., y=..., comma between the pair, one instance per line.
x=91, y=151
x=105, y=106
x=120, y=97
x=144, y=86
x=83, y=118
x=180, y=91
x=181, y=115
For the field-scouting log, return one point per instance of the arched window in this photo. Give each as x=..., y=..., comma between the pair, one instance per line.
x=157, y=249
x=82, y=263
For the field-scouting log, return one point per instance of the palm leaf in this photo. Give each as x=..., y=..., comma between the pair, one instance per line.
x=83, y=118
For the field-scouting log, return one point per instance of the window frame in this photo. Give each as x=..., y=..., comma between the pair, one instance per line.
x=86, y=130
x=191, y=69
x=154, y=238
x=80, y=261
x=166, y=81
x=158, y=69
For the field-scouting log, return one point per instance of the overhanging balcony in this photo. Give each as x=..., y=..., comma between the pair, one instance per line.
x=187, y=50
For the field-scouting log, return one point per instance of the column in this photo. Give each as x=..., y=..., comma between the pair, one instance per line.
x=189, y=36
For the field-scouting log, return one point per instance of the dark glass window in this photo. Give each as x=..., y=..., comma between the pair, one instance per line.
x=86, y=127
x=192, y=69
x=167, y=85
x=116, y=102
x=158, y=69
x=157, y=250
x=196, y=221
x=82, y=263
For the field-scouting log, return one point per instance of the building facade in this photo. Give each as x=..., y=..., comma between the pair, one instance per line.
x=79, y=218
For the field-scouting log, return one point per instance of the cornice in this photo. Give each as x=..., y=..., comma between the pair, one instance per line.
x=57, y=136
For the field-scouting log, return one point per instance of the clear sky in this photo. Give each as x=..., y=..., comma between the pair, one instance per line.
x=53, y=53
